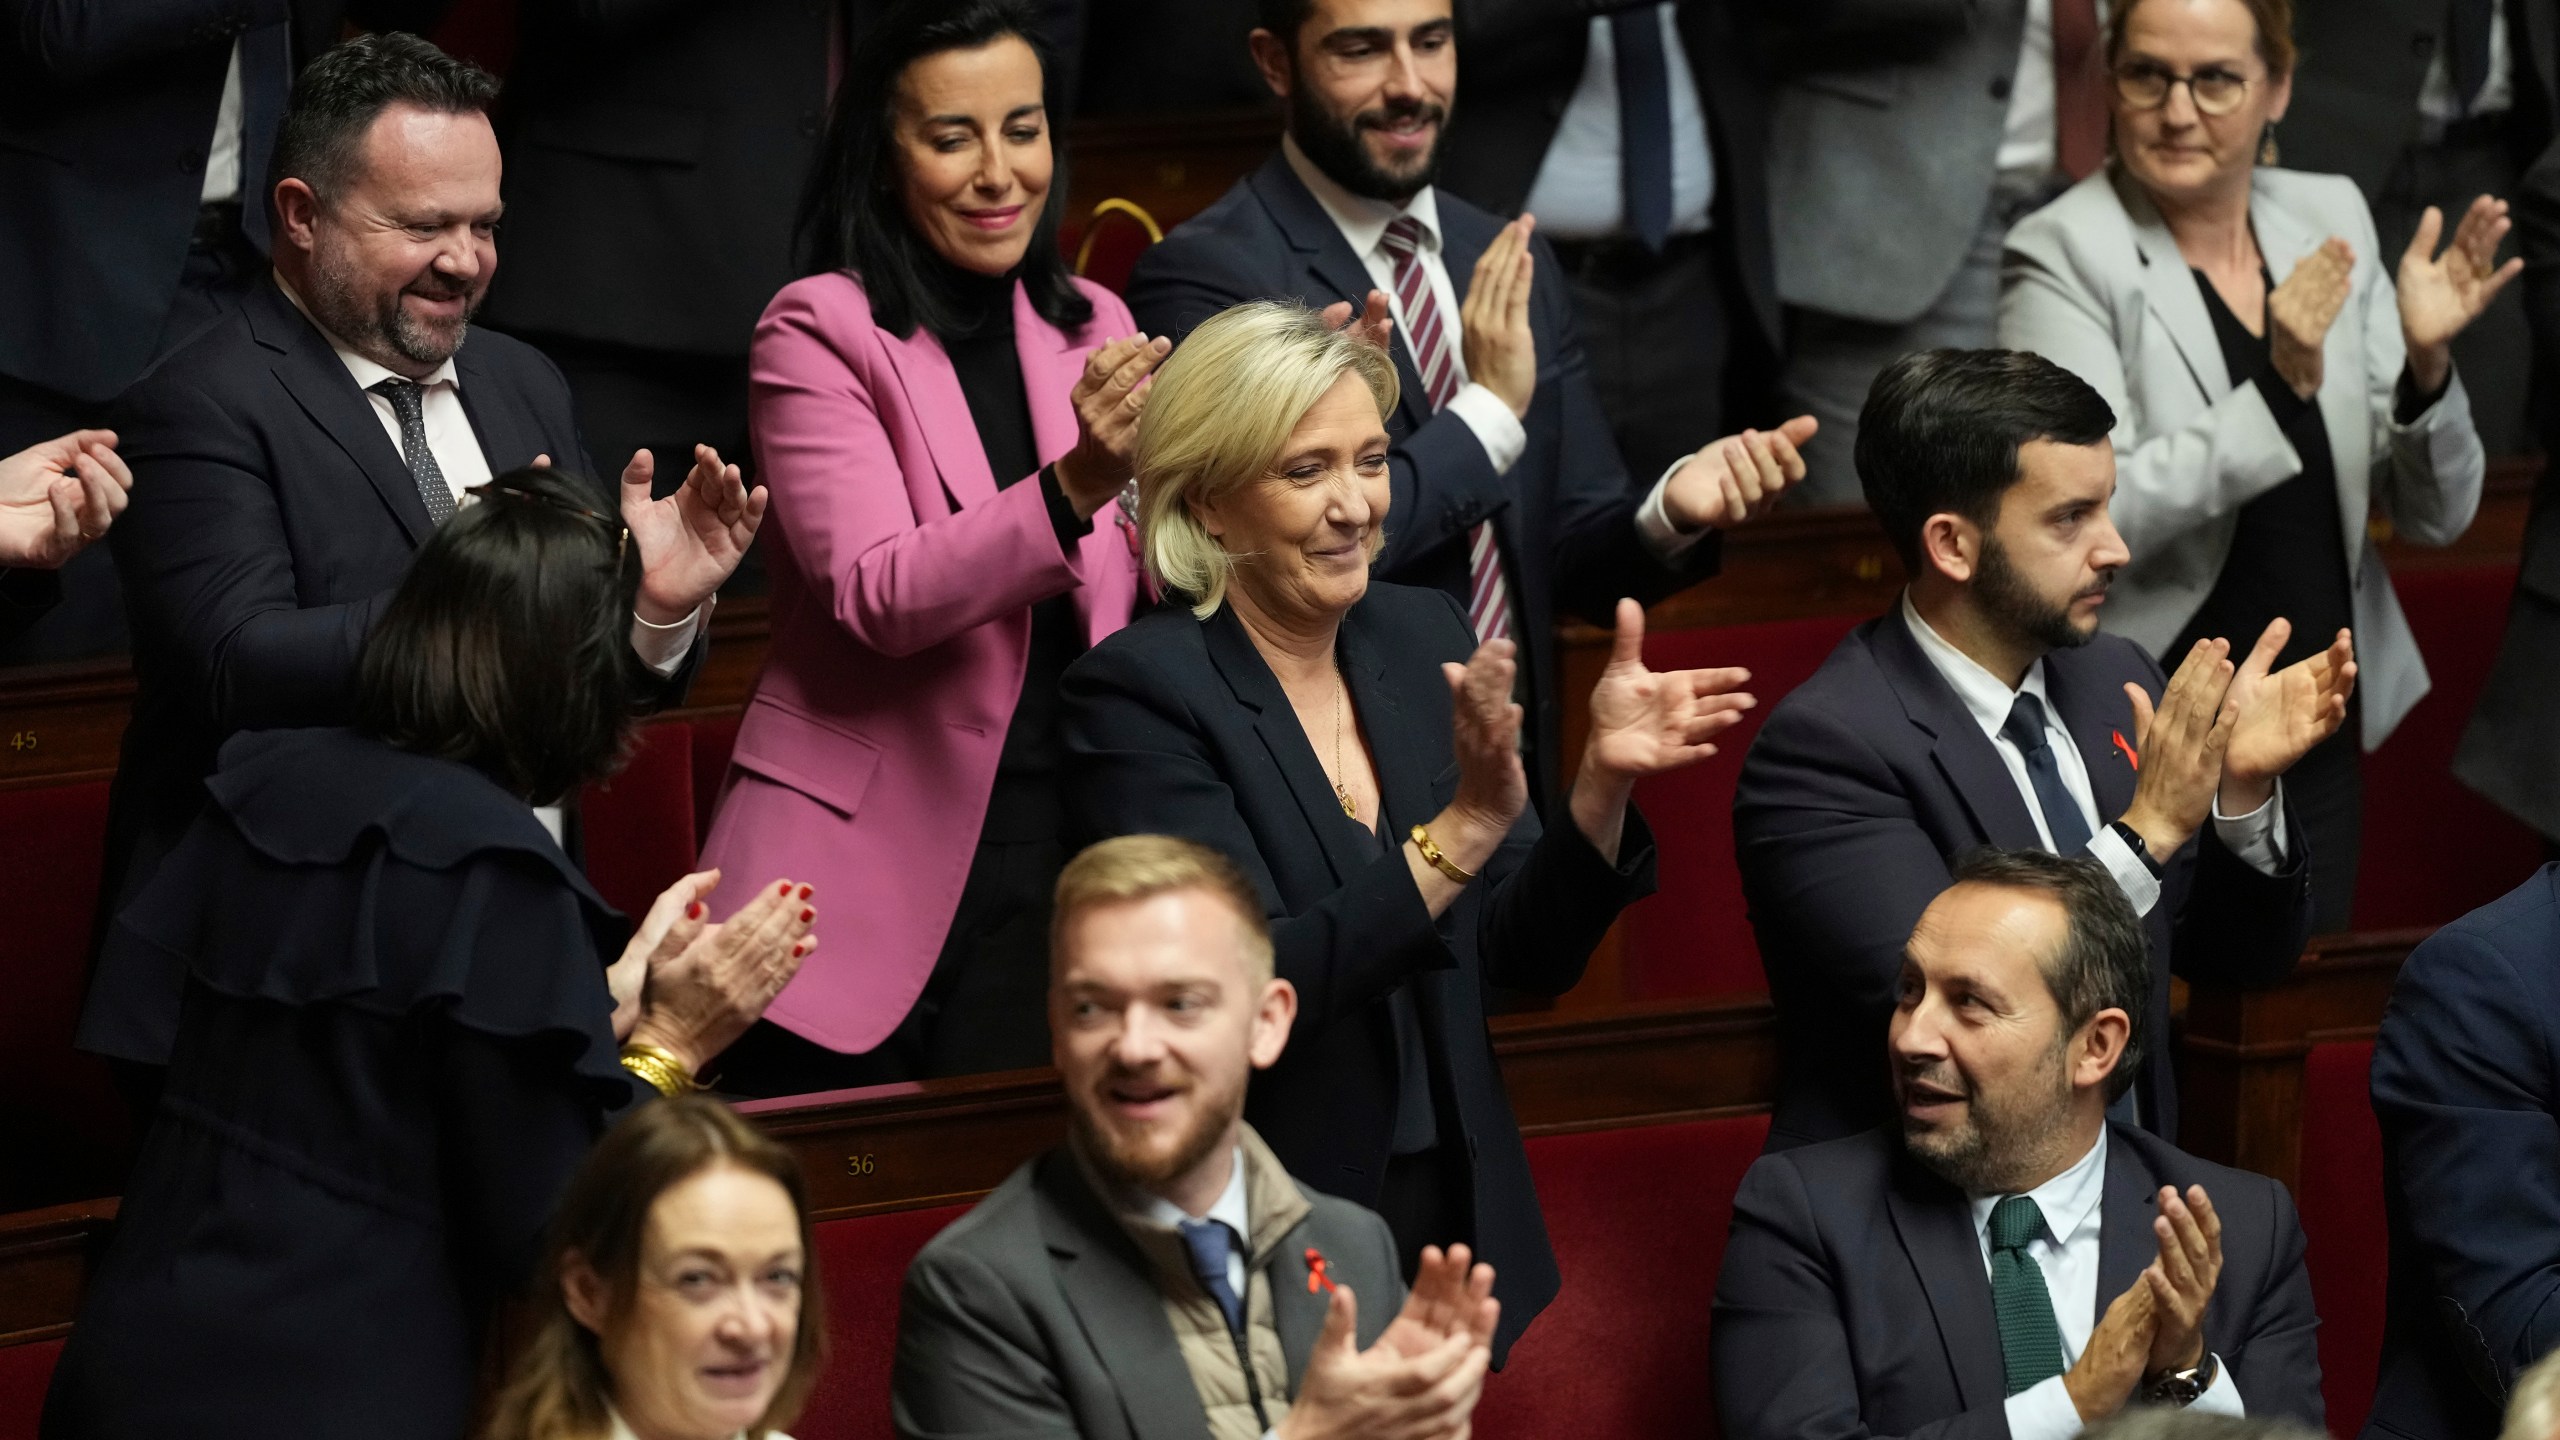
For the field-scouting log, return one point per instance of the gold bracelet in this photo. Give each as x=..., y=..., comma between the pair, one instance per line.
x=664, y=1072
x=1431, y=856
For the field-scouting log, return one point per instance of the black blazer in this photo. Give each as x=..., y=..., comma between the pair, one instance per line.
x=394, y=1048
x=106, y=113
x=271, y=519
x=1854, y=1300
x=1860, y=791
x=2464, y=1085
x=1565, y=514
x=1035, y=1313
x=1523, y=60
x=1176, y=726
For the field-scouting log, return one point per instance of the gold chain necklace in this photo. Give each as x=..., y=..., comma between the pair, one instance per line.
x=1341, y=791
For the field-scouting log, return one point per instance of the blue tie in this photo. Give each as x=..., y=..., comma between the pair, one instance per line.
x=2025, y=729
x=1211, y=1243
x=1644, y=123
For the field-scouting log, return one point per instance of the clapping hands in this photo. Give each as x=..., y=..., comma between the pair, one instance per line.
x=2440, y=295
x=1645, y=722
x=1423, y=1376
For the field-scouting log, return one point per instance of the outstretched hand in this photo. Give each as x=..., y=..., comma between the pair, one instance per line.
x=1644, y=722
x=691, y=541
x=58, y=496
x=2440, y=295
x=1738, y=477
x=1450, y=1296
x=2279, y=717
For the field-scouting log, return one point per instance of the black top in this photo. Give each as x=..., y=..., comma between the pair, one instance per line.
x=393, y=1050
x=1025, y=803
x=2289, y=556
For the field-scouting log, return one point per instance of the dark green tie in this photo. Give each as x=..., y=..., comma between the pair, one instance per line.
x=2030, y=1341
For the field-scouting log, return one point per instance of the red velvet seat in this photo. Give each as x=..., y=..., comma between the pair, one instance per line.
x=638, y=826
x=25, y=1371
x=1638, y=1217
x=862, y=1263
x=2342, y=1217
x=1693, y=936
x=63, y=1129
x=2433, y=850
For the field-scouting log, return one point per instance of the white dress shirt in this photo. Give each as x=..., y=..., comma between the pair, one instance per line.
x=222, y=169
x=1228, y=1209
x=1363, y=224
x=2257, y=837
x=1579, y=192
x=2067, y=1254
x=2437, y=100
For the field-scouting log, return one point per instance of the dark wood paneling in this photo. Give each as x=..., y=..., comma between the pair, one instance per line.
x=44, y=1257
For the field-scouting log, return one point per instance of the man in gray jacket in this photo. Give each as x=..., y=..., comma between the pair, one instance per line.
x=1160, y=1275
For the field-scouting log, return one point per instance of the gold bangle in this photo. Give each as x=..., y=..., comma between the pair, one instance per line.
x=1431, y=856
x=664, y=1072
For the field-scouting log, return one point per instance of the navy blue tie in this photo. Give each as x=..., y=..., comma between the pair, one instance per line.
x=2025, y=729
x=1644, y=123
x=1211, y=1242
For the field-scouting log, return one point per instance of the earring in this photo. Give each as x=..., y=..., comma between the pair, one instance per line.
x=2267, y=152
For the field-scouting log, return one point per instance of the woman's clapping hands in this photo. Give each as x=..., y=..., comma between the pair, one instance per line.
x=1108, y=397
x=1645, y=722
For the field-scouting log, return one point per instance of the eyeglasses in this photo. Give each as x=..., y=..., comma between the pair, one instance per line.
x=2215, y=90
x=511, y=488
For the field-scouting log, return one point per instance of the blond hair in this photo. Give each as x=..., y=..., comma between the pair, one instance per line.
x=1130, y=868
x=2533, y=1407
x=1220, y=408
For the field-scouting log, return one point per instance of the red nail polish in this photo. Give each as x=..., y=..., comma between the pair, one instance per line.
x=808, y=915
x=782, y=889
x=799, y=950
x=804, y=892
x=693, y=911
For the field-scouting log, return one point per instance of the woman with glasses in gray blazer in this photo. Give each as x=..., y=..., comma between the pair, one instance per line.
x=2273, y=386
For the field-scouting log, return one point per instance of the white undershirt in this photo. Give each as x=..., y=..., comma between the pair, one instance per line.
x=1580, y=190
x=2436, y=98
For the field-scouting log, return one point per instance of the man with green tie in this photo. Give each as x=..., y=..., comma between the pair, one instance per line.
x=2002, y=1260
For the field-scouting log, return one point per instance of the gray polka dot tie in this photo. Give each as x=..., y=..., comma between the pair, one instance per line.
x=409, y=403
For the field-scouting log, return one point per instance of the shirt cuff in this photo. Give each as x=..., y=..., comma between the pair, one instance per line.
x=1496, y=428
x=2257, y=837
x=2043, y=1411
x=2140, y=886
x=662, y=647
x=1666, y=540
x=2223, y=1396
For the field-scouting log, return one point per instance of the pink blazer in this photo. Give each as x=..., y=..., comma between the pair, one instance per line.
x=903, y=581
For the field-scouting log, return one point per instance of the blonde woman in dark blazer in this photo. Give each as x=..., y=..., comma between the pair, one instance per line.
x=2273, y=386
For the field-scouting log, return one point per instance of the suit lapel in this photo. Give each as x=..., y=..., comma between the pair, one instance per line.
x=1963, y=753
x=1404, y=779
x=2169, y=292
x=2094, y=714
x=936, y=399
x=1050, y=368
x=2125, y=1241
x=312, y=374
x=1105, y=1281
x=1930, y=1218
x=509, y=435
x=1275, y=721
x=1334, y=272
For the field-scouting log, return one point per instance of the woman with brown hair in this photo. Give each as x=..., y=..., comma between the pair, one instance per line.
x=677, y=1302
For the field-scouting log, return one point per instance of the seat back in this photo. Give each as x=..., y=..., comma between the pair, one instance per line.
x=1638, y=1218
x=1109, y=242
x=25, y=1371
x=2343, y=1225
x=2433, y=850
x=63, y=1128
x=1692, y=936
x=862, y=1263
x=638, y=827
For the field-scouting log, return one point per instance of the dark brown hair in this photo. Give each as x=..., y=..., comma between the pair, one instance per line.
x=320, y=139
x=558, y=1387
x=2275, y=31
x=507, y=646
x=2105, y=959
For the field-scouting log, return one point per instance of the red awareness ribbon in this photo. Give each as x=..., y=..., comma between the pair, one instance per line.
x=1316, y=1278
x=2130, y=758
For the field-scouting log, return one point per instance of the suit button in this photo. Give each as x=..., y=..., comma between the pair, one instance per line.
x=190, y=160
x=809, y=122
x=2000, y=87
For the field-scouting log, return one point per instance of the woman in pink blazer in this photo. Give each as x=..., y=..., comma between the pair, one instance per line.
x=944, y=422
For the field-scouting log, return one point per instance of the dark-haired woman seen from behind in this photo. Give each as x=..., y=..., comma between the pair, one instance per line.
x=944, y=416
x=382, y=995
x=676, y=1302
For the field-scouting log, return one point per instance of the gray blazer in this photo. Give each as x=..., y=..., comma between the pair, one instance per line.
x=1036, y=1314
x=2095, y=283
x=1884, y=140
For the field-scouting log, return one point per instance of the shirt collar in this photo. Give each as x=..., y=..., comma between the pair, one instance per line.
x=367, y=374
x=1984, y=694
x=1228, y=1209
x=1361, y=220
x=2065, y=1200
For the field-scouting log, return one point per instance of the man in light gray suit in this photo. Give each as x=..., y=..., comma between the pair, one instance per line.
x=1160, y=1276
x=1905, y=137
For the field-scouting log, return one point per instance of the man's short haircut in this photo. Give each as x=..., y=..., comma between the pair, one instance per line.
x=1284, y=18
x=2104, y=960
x=1131, y=868
x=1941, y=432
x=320, y=141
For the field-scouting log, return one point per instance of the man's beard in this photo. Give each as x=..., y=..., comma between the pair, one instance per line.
x=1998, y=1144
x=1334, y=145
x=2005, y=594
x=378, y=327
x=1124, y=1163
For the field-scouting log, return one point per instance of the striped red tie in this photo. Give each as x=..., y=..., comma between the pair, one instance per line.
x=1489, y=594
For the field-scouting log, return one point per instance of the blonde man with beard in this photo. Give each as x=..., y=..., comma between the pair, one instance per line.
x=1160, y=1275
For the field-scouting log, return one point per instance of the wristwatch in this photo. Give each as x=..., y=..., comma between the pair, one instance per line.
x=2132, y=839
x=2182, y=1387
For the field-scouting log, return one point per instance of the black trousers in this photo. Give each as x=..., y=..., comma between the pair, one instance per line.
x=985, y=1007
x=1658, y=333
